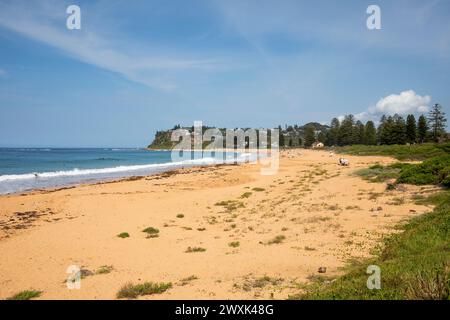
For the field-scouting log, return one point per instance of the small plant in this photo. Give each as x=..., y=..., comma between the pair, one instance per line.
x=195, y=249
x=277, y=240
x=180, y=215
x=25, y=295
x=234, y=244
x=123, y=235
x=246, y=195
x=266, y=280
x=131, y=291
x=230, y=205
x=151, y=232
x=185, y=281
x=257, y=189
x=104, y=269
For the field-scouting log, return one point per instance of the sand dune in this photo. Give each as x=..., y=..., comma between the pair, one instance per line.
x=263, y=235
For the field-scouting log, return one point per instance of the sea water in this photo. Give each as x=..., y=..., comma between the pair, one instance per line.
x=23, y=169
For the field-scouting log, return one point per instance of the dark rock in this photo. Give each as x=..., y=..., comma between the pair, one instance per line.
x=322, y=270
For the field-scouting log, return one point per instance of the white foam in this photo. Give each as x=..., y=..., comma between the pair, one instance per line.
x=28, y=181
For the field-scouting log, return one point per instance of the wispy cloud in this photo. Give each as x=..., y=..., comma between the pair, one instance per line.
x=420, y=28
x=41, y=23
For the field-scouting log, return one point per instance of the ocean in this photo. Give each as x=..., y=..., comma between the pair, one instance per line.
x=23, y=169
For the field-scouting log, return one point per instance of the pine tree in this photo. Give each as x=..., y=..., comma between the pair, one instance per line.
x=333, y=133
x=281, y=137
x=398, y=130
x=370, y=134
x=321, y=137
x=437, y=120
x=346, y=133
x=310, y=136
x=422, y=129
x=411, y=129
x=359, y=133
x=386, y=130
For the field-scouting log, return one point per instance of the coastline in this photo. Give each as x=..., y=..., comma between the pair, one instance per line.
x=320, y=213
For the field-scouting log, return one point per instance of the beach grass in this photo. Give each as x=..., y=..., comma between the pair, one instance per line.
x=257, y=189
x=123, y=235
x=104, y=269
x=195, y=249
x=151, y=232
x=277, y=240
x=414, y=264
x=400, y=152
x=131, y=291
x=234, y=244
x=434, y=170
x=25, y=295
x=187, y=280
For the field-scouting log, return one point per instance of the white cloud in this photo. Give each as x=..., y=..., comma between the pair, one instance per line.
x=406, y=102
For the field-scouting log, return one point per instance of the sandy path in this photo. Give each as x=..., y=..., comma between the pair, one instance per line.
x=325, y=214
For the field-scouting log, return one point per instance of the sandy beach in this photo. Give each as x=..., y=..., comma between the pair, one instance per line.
x=313, y=213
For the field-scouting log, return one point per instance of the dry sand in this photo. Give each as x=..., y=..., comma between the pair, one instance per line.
x=326, y=215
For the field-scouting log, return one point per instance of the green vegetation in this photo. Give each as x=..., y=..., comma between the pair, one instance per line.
x=25, y=295
x=379, y=173
x=187, y=280
x=246, y=195
x=266, y=280
x=151, y=232
x=401, y=152
x=277, y=240
x=131, y=291
x=230, y=205
x=259, y=283
x=123, y=235
x=415, y=264
x=392, y=130
x=234, y=244
x=195, y=249
x=431, y=171
x=104, y=269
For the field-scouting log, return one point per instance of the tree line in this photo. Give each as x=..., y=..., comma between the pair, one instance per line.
x=391, y=130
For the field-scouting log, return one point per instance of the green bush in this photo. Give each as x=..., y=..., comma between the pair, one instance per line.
x=431, y=171
x=401, y=152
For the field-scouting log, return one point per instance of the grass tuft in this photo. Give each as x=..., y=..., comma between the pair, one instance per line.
x=257, y=189
x=131, y=291
x=234, y=244
x=123, y=235
x=195, y=249
x=25, y=295
x=104, y=269
x=277, y=240
x=151, y=232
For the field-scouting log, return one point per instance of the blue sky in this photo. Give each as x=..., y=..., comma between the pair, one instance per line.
x=139, y=66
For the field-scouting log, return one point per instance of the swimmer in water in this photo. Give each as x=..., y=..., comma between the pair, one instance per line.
x=36, y=175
